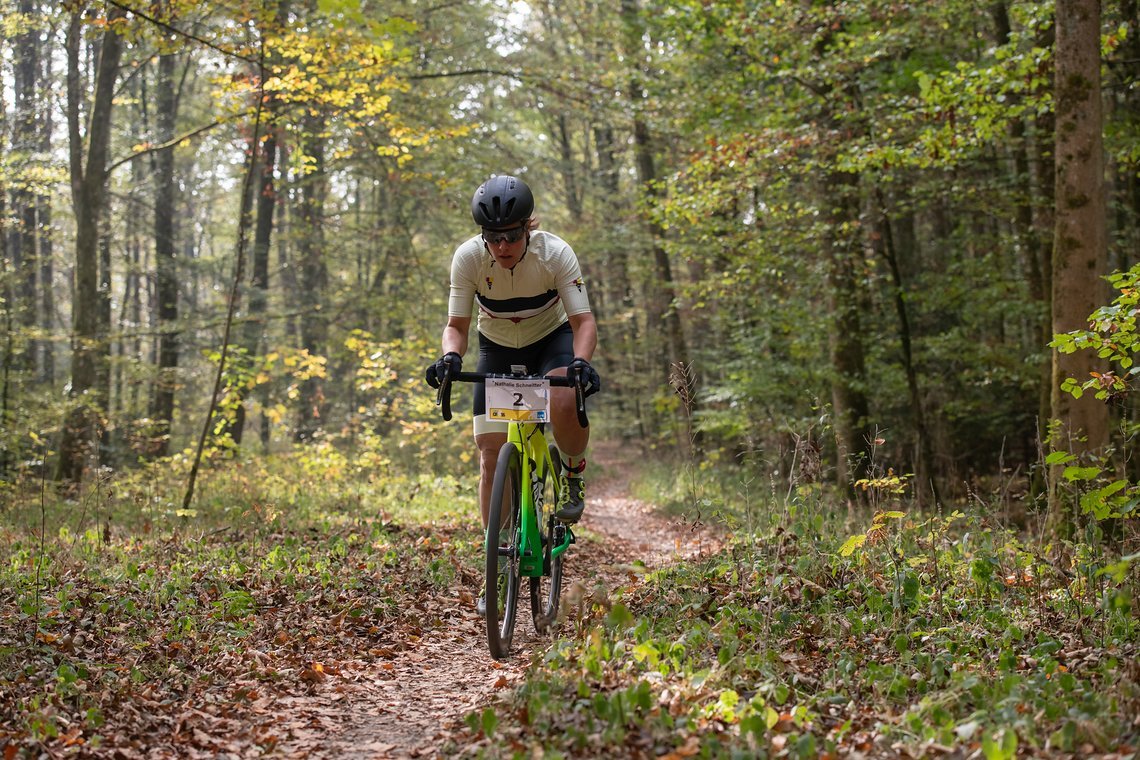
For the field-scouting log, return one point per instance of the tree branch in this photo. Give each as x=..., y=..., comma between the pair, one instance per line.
x=163, y=146
x=466, y=73
x=175, y=30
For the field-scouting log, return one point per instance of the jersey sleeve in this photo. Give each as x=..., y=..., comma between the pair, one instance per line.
x=461, y=303
x=571, y=286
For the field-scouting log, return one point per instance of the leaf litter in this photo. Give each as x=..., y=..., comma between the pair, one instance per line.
x=358, y=639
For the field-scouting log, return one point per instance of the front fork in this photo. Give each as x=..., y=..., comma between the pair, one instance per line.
x=534, y=560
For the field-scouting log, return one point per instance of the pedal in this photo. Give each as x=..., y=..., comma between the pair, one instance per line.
x=560, y=531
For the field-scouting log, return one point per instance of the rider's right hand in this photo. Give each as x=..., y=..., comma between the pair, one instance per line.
x=435, y=372
x=585, y=375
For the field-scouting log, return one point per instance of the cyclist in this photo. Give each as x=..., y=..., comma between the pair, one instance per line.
x=534, y=311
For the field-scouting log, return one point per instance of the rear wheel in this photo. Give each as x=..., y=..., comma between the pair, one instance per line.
x=546, y=590
x=502, y=552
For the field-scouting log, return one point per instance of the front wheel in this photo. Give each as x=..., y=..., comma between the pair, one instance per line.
x=546, y=590
x=502, y=543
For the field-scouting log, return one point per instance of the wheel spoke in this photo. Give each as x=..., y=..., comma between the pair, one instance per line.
x=545, y=591
x=502, y=561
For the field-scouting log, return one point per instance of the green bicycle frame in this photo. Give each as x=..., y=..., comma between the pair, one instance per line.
x=535, y=465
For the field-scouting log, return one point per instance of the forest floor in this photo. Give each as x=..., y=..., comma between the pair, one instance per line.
x=270, y=623
x=415, y=704
x=265, y=630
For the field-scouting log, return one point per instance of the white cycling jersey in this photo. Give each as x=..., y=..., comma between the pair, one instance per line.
x=518, y=306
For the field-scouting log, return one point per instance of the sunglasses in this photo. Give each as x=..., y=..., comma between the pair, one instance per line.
x=493, y=237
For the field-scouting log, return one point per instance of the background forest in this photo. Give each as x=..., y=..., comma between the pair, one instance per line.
x=838, y=216
x=843, y=257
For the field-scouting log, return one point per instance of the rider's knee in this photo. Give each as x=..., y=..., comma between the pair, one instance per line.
x=488, y=455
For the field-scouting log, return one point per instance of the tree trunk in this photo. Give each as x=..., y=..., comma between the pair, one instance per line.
x=662, y=307
x=616, y=292
x=166, y=259
x=254, y=328
x=9, y=327
x=108, y=447
x=25, y=139
x=253, y=333
x=1033, y=247
x=46, y=317
x=290, y=284
x=925, y=476
x=569, y=167
x=314, y=278
x=1080, y=239
x=847, y=352
x=47, y=296
x=83, y=424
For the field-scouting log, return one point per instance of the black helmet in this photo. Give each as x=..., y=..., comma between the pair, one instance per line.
x=502, y=201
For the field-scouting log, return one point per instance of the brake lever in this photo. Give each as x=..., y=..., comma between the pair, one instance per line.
x=443, y=397
x=580, y=401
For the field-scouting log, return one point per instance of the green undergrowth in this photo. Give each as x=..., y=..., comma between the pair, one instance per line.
x=879, y=630
x=129, y=622
x=318, y=483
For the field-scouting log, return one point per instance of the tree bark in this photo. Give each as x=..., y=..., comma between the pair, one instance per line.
x=166, y=259
x=1028, y=229
x=562, y=135
x=9, y=350
x=314, y=278
x=253, y=333
x=258, y=291
x=926, y=483
x=83, y=424
x=616, y=292
x=22, y=248
x=847, y=352
x=1080, y=236
x=663, y=311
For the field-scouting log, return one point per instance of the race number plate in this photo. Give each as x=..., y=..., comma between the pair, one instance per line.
x=523, y=400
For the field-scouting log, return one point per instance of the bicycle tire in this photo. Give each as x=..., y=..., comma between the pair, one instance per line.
x=503, y=593
x=546, y=590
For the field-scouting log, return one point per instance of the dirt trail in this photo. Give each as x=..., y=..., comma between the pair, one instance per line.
x=409, y=706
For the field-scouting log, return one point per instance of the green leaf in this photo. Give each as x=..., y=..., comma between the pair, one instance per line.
x=490, y=721
x=646, y=652
x=1075, y=474
x=1060, y=457
x=911, y=587
x=754, y=724
x=728, y=699
x=1005, y=750
x=805, y=746
x=619, y=617
x=851, y=544
x=1098, y=501
x=1119, y=570
x=1065, y=738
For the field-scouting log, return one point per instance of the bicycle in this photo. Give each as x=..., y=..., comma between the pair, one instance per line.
x=530, y=542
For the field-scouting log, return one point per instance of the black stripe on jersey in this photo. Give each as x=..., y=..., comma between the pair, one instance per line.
x=511, y=306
